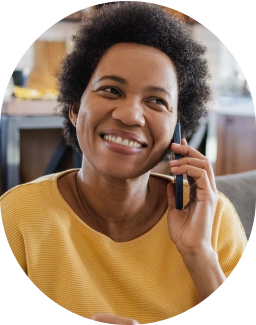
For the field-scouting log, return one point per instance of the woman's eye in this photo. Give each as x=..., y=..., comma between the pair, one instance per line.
x=158, y=101
x=111, y=90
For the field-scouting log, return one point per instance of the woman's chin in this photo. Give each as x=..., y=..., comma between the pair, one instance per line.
x=122, y=173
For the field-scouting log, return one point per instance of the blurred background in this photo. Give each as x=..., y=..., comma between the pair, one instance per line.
x=31, y=135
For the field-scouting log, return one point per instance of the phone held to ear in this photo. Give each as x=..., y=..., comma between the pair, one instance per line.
x=178, y=178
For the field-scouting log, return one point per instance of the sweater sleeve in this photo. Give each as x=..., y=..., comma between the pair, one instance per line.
x=11, y=211
x=229, y=235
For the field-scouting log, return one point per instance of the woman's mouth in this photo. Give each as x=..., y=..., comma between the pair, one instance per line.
x=122, y=141
x=121, y=145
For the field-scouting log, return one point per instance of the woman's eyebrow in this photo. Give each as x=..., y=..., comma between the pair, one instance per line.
x=115, y=78
x=124, y=82
x=155, y=88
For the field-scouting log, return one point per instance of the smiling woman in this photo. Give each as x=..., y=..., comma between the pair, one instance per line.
x=105, y=241
x=132, y=96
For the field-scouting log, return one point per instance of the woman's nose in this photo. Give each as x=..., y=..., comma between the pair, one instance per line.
x=130, y=112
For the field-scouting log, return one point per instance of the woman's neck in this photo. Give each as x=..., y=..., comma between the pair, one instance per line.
x=121, y=209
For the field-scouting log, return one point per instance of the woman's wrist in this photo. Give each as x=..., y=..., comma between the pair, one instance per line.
x=204, y=268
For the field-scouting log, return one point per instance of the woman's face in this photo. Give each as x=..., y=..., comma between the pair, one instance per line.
x=128, y=111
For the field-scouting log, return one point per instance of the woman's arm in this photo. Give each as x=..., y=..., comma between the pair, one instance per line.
x=205, y=271
x=191, y=228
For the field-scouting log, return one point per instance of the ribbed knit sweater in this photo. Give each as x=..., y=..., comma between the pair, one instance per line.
x=87, y=272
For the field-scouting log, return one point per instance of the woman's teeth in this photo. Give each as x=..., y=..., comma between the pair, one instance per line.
x=123, y=142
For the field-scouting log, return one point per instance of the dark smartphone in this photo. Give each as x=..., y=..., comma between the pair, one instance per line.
x=178, y=178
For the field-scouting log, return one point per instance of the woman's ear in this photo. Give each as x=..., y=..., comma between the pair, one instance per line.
x=74, y=108
x=73, y=113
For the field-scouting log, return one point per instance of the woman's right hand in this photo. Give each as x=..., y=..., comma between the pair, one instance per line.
x=113, y=319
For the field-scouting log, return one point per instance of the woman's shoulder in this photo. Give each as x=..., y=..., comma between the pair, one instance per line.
x=37, y=186
x=227, y=214
x=26, y=189
x=225, y=209
x=35, y=195
x=228, y=235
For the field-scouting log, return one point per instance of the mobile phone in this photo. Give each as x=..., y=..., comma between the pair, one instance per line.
x=178, y=178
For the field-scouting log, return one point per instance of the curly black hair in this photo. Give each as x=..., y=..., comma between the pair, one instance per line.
x=141, y=23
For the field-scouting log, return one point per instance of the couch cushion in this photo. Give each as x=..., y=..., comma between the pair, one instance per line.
x=241, y=190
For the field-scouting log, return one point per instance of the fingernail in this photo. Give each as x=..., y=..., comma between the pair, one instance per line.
x=173, y=162
x=174, y=169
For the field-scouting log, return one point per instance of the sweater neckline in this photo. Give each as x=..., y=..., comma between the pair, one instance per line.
x=96, y=234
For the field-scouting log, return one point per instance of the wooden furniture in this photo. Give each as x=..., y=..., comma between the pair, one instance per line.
x=236, y=144
x=231, y=138
x=32, y=142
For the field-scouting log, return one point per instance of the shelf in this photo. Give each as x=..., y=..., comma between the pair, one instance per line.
x=29, y=107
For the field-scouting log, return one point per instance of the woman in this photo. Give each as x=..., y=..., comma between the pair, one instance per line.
x=106, y=241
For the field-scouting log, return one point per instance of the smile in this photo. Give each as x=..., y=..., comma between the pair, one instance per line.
x=122, y=146
x=121, y=141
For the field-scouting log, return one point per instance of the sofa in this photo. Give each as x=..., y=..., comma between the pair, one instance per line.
x=240, y=189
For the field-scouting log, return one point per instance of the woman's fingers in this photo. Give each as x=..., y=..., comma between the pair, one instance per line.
x=194, y=158
x=113, y=319
x=195, y=162
x=198, y=174
x=190, y=161
x=186, y=150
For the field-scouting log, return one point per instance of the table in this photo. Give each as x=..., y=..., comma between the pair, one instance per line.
x=230, y=145
x=25, y=115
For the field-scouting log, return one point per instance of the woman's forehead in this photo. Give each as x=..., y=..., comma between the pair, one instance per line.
x=130, y=60
x=135, y=52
